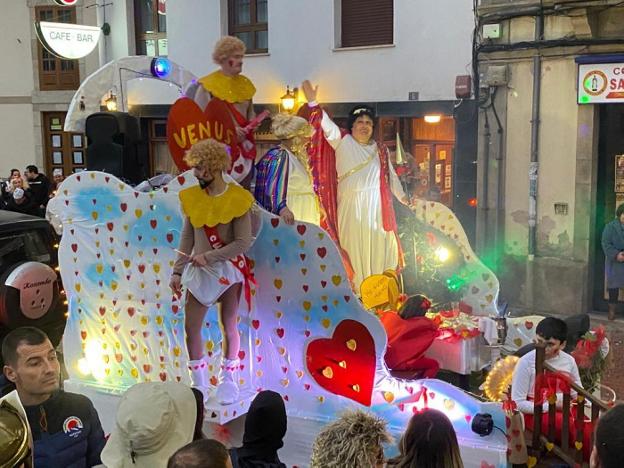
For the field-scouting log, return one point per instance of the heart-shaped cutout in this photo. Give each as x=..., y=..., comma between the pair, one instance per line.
x=355, y=379
x=187, y=124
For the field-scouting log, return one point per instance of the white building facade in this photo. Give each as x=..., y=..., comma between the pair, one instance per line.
x=396, y=55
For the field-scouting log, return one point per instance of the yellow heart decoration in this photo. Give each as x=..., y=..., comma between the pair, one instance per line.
x=321, y=235
x=531, y=462
x=159, y=319
x=336, y=279
x=125, y=227
x=388, y=396
x=449, y=404
x=323, y=267
x=326, y=323
x=306, y=318
x=518, y=342
x=177, y=351
x=302, y=243
x=324, y=298
x=321, y=399
x=138, y=213
x=277, y=283
x=284, y=382
x=209, y=345
x=135, y=373
x=97, y=244
x=352, y=344
x=276, y=242
x=578, y=445
x=299, y=374
x=156, y=268
x=281, y=350
x=278, y=314
x=99, y=268
x=126, y=263
x=328, y=373
x=77, y=286
x=307, y=305
x=258, y=341
x=549, y=446
x=114, y=285
x=94, y=215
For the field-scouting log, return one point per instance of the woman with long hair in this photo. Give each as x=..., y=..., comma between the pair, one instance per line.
x=428, y=442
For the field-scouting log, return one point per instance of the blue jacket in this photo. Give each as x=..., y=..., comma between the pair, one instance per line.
x=67, y=432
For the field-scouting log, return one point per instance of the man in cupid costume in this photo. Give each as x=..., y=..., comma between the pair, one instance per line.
x=211, y=263
x=236, y=91
x=366, y=180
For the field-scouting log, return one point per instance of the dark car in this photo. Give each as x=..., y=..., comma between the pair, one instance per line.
x=31, y=293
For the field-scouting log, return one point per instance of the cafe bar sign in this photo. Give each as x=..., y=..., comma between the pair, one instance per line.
x=601, y=83
x=68, y=41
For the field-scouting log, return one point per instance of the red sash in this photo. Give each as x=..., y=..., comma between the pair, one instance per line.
x=248, y=146
x=240, y=262
x=387, y=210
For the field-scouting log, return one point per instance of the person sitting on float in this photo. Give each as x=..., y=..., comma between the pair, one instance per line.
x=410, y=334
x=284, y=183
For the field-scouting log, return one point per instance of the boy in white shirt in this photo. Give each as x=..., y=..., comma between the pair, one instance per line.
x=552, y=332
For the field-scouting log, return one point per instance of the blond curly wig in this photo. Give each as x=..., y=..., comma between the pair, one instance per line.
x=227, y=47
x=285, y=126
x=210, y=154
x=354, y=440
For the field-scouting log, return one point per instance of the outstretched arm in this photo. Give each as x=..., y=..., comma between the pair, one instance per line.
x=332, y=132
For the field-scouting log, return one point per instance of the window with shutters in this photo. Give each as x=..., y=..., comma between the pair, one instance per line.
x=150, y=25
x=248, y=20
x=366, y=22
x=54, y=72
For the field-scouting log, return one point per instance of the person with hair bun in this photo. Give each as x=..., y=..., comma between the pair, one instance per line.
x=211, y=263
x=366, y=184
x=284, y=181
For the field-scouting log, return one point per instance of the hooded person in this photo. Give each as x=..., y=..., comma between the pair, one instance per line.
x=265, y=428
x=154, y=420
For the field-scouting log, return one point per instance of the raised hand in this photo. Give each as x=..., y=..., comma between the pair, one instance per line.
x=309, y=91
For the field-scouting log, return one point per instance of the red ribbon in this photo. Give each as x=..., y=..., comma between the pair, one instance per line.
x=247, y=150
x=240, y=262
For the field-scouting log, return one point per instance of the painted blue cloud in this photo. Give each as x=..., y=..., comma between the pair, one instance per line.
x=101, y=200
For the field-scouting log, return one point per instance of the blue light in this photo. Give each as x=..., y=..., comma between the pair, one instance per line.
x=160, y=67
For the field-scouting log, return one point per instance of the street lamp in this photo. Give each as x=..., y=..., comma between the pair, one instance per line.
x=289, y=99
x=111, y=102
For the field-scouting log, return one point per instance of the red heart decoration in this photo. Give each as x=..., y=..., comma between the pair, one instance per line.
x=187, y=124
x=275, y=222
x=255, y=324
x=123, y=206
x=356, y=380
x=239, y=168
x=301, y=229
x=321, y=251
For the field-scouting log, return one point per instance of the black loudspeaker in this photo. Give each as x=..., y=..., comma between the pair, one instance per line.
x=113, y=138
x=482, y=424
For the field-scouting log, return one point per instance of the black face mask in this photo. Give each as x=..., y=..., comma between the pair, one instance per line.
x=205, y=183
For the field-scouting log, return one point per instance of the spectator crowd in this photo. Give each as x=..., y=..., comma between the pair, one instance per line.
x=159, y=424
x=28, y=193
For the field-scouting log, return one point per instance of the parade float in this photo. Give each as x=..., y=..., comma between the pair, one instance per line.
x=306, y=334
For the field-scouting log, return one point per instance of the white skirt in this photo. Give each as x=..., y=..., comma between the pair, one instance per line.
x=207, y=284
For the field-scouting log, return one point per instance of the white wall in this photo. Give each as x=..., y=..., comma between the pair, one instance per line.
x=16, y=78
x=432, y=46
x=17, y=137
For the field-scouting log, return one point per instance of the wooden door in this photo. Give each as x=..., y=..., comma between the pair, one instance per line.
x=63, y=150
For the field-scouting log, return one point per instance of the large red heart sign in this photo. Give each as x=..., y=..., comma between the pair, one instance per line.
x=345, y=363
x=187, y=124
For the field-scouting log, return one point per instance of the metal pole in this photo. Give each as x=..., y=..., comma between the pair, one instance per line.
x=535, y=123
